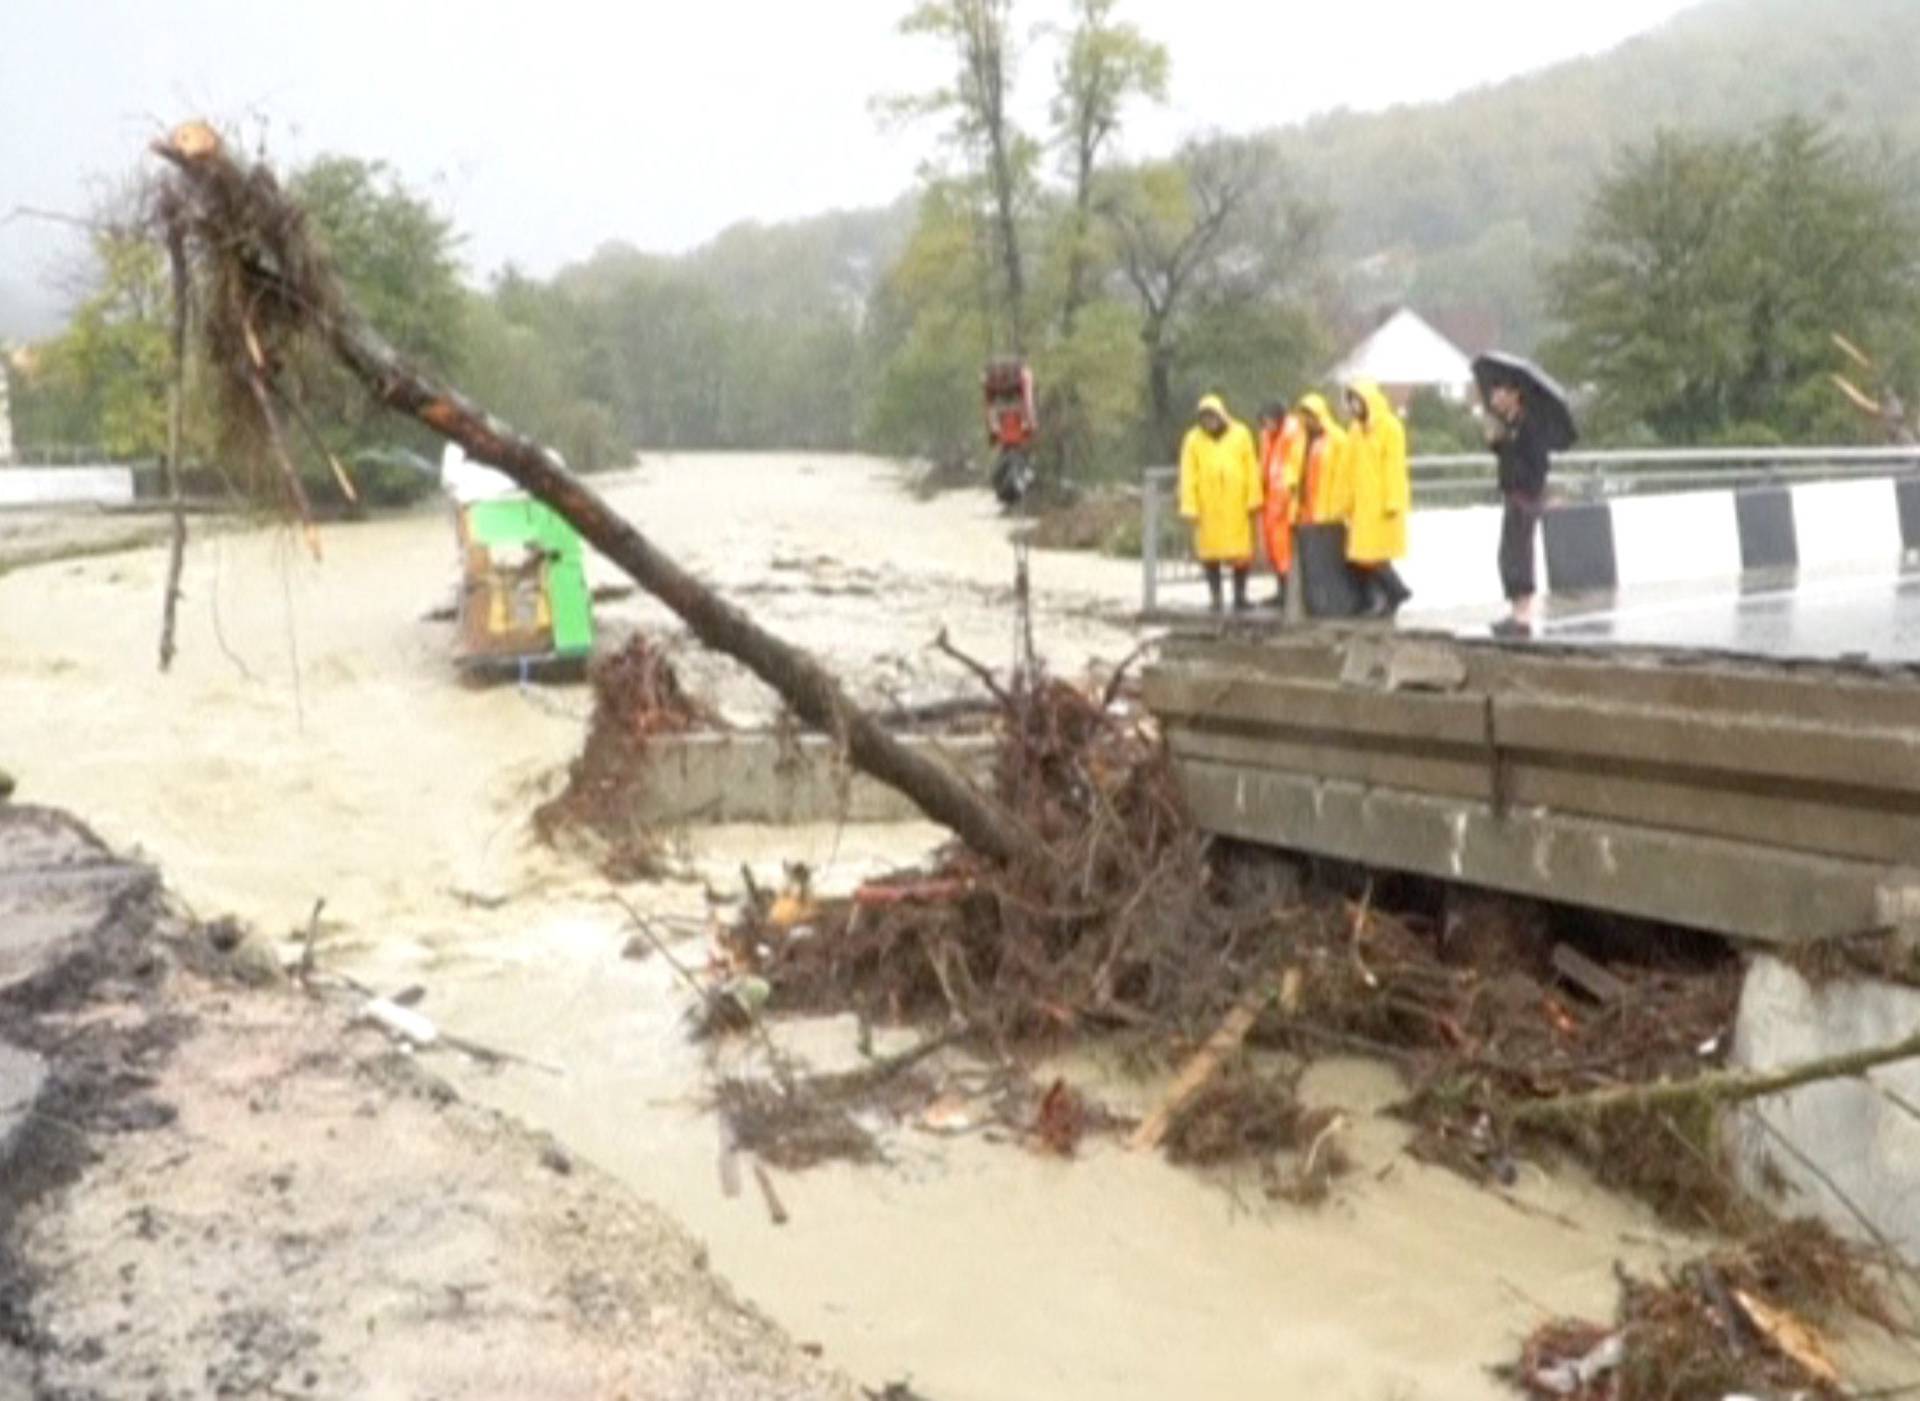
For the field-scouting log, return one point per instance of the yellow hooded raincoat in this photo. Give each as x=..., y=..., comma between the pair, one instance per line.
x=1320, y=475
x=1220, y=488
x=1382, y=492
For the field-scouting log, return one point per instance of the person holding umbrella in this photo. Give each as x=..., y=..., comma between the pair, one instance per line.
x=1220, y=496
x=1529, y=419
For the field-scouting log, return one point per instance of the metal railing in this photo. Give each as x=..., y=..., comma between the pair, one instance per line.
x=70, y=455
x=1466, y=479
x=1448, y=480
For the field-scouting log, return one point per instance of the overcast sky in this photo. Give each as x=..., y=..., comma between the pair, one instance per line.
x=545, y=129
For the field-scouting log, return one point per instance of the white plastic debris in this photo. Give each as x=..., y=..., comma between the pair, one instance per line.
x=401, y=1022
x=1570, y=1378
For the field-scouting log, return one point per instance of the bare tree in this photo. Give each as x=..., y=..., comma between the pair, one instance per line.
x=1219, y=222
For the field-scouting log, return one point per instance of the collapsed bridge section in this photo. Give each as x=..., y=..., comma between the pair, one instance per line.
x=1766, y=801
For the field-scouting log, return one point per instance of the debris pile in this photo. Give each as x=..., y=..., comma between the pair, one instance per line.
x=637, y=696
x=1108, y=924
x=1106, y=521
x=791, y=1129
x=1128, y=922
x=1742, y=1321
x=1245, y=1116
x=1493, y=1018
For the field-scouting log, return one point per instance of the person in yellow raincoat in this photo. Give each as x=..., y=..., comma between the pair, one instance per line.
x=1380, y=497
x=1220, y=495
x=1282, y=437
x=1318, y=467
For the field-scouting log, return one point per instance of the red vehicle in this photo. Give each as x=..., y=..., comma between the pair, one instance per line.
x=1012, y=426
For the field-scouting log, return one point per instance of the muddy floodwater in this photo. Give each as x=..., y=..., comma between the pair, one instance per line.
x=314, y=744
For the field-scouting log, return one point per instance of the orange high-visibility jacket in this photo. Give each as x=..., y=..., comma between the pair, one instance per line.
x=1280, y=452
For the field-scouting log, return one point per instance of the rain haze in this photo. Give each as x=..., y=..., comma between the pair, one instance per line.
x=544, y=132
x=1224, y=722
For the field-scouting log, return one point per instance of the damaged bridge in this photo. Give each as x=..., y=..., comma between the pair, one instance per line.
x=1765, y=801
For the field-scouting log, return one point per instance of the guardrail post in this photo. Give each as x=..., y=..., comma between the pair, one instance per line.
x=1149, y=542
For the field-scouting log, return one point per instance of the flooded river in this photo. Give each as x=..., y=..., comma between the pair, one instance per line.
x=312, y=743
x=985, y=1271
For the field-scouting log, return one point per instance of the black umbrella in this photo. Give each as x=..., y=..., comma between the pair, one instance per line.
x=1547, y=403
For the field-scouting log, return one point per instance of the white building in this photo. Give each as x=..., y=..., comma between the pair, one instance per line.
x=1405, y=354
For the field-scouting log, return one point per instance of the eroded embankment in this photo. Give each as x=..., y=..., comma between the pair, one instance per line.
x=216, y=1189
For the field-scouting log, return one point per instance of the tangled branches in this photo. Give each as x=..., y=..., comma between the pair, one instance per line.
x=261, y=284
x=637, y=695
x=1743, y=1320
x=1116, y=929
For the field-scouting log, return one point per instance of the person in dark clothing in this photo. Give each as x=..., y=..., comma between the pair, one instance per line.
x=1522, y=454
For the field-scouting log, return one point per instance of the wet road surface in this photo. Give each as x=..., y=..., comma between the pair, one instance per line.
x=1873, y=616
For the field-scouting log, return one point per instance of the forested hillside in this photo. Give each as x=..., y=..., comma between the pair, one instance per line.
x=1451, y=199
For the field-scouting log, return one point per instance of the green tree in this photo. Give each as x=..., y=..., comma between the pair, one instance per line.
x=104, y=382
x=397, y=256
x=396, y=253
x=928, y=330
x=978, y=107
x=1090, y=407
x=1105, y=66
x=1712, y=273
x=1437, y=425
x=512, y=367
x=1088, y=365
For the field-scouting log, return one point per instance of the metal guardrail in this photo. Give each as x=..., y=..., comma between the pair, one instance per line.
x=1444, y=480
x=69, y=455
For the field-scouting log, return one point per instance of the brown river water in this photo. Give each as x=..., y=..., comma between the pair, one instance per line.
x=313, y=742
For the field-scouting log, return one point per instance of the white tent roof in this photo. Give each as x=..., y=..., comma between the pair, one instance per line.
x=1406, y=350
x=467, y=481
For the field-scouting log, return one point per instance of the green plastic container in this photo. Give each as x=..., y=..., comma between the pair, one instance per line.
x=520, y=520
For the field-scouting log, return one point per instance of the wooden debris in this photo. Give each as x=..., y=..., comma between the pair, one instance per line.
x=1715, y=1086
x=880, y=895
x=729, y=1159
x=1200, y=1070
x=1062, y=1119
x=1588, y=976
x=776, y=1209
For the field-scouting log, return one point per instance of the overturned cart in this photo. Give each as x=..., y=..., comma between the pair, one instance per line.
x=1765, y=801
x=524, y=605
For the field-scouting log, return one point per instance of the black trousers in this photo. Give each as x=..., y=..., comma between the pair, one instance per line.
x=1213, y=568
x=1384, y=577
x=1519, y=525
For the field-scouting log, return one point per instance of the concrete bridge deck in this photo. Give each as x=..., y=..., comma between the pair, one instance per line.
x=1776, y=802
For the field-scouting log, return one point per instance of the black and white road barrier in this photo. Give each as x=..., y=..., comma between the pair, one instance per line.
x=1623, y=542
x=1689, y=537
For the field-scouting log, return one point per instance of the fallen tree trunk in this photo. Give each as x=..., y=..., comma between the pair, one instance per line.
x=1714, y=1087
x=236, y=200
